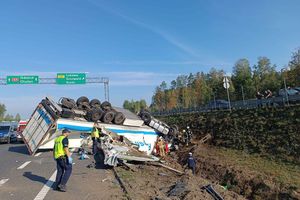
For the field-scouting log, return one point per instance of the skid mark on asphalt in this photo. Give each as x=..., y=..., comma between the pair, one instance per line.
x=24, y=165
x=36, y=155
x=41, y=195
x=3, y=181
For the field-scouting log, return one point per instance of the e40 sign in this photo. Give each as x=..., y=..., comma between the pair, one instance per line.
x=22, y=80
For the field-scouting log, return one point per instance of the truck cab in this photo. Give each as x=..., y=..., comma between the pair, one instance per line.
x=21, y=126
x=8, y=131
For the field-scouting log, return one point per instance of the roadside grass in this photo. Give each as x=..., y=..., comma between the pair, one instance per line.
x=282, y=173
x=126, y=174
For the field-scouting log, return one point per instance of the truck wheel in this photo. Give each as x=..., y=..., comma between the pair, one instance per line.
x=68, y=103
x=175, y=127
x=95, y=114
x=67, y=113
x=95, y=103
x=173, y=130
x=146, y=117
x=82, y=100
x=106, y=106
x=108, y=117
x=119, y=118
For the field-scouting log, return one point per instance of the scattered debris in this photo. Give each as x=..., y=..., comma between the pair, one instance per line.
x=162, y=174
x=106, y=179
x=209, y=188
x=167, y=167
x=178, y=190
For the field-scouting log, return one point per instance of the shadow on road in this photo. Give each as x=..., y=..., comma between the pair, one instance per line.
x=22, y=149
x=36, y=178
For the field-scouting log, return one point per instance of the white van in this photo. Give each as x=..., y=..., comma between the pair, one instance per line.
x=8, y=131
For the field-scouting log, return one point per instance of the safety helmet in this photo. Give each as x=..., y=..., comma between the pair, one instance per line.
x=190, y=153
x=187, y=127
x=183, y=131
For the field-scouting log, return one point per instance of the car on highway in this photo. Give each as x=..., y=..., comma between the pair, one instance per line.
x=289, y=91
x=217, y=104
x=8, y=132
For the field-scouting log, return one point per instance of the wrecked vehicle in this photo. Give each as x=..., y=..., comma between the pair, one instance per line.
x=49, y=118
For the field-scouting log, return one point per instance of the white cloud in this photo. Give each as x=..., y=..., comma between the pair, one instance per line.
x=163, y=34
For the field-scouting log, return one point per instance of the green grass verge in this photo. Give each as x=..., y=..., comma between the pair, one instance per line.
x=282, y=173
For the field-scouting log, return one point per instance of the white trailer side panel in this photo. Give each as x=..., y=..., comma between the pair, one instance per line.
x=37, y=128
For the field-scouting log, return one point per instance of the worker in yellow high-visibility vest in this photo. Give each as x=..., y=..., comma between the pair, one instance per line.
x=95, y=137
x=63, y=160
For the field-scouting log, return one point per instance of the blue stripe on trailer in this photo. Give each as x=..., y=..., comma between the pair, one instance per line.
x=74, y=127
x=89, y=129
x=132, y=132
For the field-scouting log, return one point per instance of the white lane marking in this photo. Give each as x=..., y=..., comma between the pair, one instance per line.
x=3, y=181
x=41, y=195
x=36, y=155
x=24, y=165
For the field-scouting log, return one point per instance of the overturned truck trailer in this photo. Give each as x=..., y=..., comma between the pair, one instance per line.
x=46, y=122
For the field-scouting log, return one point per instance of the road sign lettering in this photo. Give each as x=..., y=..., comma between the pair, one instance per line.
x=27, y=79
x=71, y=78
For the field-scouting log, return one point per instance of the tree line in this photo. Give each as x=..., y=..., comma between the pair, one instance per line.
x=197, y=89
x=7, y=117
x=135, y=106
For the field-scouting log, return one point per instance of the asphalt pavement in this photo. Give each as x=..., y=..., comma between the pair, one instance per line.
x=25, y=177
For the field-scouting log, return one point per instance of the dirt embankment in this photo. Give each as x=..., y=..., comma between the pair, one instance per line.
x=155, y=183
x=233, y=174
x=271, y=132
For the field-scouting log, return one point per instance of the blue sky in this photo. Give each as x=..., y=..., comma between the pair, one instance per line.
x=136, y=43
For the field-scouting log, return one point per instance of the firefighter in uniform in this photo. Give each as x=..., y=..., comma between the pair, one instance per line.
x=63, y=160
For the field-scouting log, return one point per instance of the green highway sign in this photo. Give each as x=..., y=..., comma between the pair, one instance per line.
x=22, y=80
x=71, y=78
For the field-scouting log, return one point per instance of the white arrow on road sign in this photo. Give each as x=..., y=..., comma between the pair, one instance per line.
x=226, y=85
x=225, y=79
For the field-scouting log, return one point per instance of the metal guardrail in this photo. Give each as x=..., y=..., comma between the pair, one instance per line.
x=236, y=105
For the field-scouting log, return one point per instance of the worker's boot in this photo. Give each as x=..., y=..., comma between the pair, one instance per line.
x=56, y=187
x=62, y=188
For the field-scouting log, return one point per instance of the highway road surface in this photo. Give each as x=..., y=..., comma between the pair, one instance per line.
x=25, y=177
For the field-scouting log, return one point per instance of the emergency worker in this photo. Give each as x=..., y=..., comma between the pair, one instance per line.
x=161, y=147
x=191, y=163
x=63, y=160
x=95, y=137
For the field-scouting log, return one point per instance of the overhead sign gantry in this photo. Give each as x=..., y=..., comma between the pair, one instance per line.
x=61, y=79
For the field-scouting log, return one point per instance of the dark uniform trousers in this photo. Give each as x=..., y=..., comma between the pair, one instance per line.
x=64, y=170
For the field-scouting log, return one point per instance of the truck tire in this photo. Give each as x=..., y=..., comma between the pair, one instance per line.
x=106, y=106
x=82, y=100
x=95, y=114
x=173, y=130
x=108, y=117
x=45, y=104
x=68, y=103
x=67, y=113
x=119, y=118
x=95, y=103
x=146, y=117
